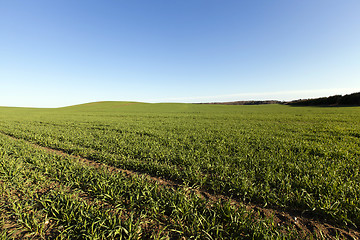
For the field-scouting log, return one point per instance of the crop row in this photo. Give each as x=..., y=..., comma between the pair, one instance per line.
x=43, y=193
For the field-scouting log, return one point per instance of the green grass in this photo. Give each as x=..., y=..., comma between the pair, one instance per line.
x=303, y=158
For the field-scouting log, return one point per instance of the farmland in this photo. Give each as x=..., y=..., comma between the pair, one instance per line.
x=128, y=170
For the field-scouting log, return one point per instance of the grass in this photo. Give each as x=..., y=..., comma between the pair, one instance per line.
x=294, y=158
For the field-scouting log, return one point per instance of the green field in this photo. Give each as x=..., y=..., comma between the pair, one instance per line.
x=197, y=171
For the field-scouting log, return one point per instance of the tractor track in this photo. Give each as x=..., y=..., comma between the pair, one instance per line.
x=304, y=223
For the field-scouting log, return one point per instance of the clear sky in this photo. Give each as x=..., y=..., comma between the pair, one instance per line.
x=64, y=52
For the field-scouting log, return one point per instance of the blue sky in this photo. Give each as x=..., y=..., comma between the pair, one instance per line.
x=58, y=53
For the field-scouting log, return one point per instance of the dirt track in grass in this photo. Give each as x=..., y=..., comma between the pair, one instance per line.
x=304, y=223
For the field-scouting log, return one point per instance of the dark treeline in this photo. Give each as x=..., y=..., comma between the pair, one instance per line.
x=336, y=100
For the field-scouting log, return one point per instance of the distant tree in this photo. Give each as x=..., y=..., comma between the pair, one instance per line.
x=351, y=99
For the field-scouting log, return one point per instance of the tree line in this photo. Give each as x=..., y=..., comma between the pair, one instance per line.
x=336, y=100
